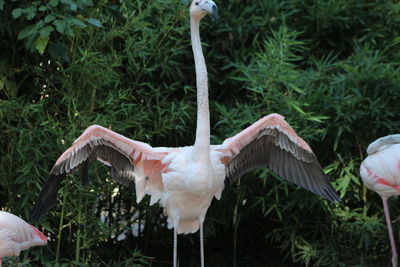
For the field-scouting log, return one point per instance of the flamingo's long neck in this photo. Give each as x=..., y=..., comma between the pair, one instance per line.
x=202, y=142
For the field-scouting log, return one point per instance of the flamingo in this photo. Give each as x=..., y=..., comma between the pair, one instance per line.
x=17, y=235
x=380, y=172
x=186, y=179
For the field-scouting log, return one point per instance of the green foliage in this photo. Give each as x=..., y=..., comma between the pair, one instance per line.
x=330, y=67
x=46, y=21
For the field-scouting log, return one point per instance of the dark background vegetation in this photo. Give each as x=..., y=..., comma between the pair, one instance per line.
x=331, y=67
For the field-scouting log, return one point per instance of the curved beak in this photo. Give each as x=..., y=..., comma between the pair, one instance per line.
x=210, y=7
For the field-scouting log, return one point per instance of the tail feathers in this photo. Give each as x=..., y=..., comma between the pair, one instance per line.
x=188, y=227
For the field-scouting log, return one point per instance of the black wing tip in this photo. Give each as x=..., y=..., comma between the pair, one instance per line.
x=84, y=174
x=35, y=214
x=42, y=207
x=39, y=211
x=331, y=195
x=47, y=197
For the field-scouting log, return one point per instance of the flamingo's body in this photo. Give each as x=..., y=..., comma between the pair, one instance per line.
x=186, y=179
x=189, y=188
x=380, y=172
x=16, y=235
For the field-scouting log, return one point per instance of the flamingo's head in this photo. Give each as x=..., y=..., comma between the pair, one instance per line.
x=200, y=8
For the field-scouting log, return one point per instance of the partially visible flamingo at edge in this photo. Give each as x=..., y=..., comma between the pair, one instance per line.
x=380, y=172
x=17, y=235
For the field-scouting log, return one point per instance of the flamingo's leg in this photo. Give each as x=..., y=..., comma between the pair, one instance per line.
x=175, y=247
x=201, y=245
x=390, y=231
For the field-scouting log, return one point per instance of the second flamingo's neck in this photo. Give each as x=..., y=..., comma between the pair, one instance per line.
x=202, y=142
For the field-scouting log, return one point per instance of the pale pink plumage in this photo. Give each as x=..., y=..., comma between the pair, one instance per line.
x=16, y=235
x=380, y=172
x=238, y=141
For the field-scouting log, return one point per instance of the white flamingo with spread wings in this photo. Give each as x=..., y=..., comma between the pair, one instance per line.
x=380, y=172
x=16, y=235
x=186, y=179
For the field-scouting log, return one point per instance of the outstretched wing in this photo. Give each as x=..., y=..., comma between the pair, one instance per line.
x=271, y=142
x=132, y=163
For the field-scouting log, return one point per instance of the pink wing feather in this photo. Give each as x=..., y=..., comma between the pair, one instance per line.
x=132, y=162
x=271, y=142
x=277, y=121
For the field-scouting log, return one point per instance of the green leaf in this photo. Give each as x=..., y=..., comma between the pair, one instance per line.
x=43, y=8
x=66, y=2
x=318, y=118
x=297, y=89
x=30, y=12
x=73, y=6
x=77, y=22
x=30, y=30
x=53, y=3
x=94, y=22
x=396, y=40
x=49, y=18
x=11, y=87
x=60, y=25
x=86, y=3
x=45, y=31
x=1, y=4
x=16, y=13
x=296, y=105
x=41, y=44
